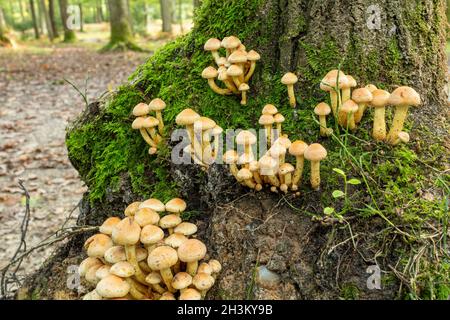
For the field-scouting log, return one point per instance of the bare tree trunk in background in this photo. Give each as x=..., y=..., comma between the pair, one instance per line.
x=69, y=33
x=51, y=12
x=148, y=19
x=166, y=15
x=34, y=19
x=46, y=18
x=129, y=15
x=4, y=40
x=99, y=11
x=22, y=14
x=81, y=17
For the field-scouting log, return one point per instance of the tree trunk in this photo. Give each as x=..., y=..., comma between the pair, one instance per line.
x=166, y=15
x=4, y=39
x=52, y=13
x=121, y=32
x=100, y=17
x=46, y=18
x=69, y=33
x=34, y=19
x=80, y=6
x=22, y=14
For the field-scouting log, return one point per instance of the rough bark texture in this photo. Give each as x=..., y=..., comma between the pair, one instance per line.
x=34, y=18
x=69, y=34
x=245, y=230
x=121, y=32
x=52, y=15
x=46, y=18
x=166, y=15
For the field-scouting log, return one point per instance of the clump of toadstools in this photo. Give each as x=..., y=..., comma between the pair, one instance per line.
x=150, y=127
x=145, y=256
x=348, y=106
x=234, y=69
x=272, y=169
x=204, y=136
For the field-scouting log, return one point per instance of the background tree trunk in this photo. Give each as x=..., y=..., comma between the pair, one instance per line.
x=46, y=18
x=4, y=39
x=166, y=15
x=69, y=33
x=121, y=32
x=34, y=19
x=52, y=16
x=80, y=6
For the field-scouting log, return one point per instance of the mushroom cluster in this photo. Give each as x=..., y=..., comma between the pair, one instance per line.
x=145, y=256
x=348, y=106
x=235, y=69
x=150, y=127
x=204, y=136
x=272, y=169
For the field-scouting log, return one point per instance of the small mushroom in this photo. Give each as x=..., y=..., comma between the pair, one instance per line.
x=230, y=44
x=158, y=105
x=216, y=132
x=154, y=279
x=371, y=87
x=132, y=208
x=190, y=294
x=332, y=83
x=97, y=244
x=289, y=79
x=379, y=102
x=108, y=225
x=231, y=158
x=112, y=287
x=203, y=282
x=215, y=266
x=210, y=73
x=297, y=149
x=346, y=89
x=151, y=235
x=141, y=110
x=402, y=98
x=269, y=168
x=347, y=114
x=238, y=58
x=362, y=97
x=115, y=254
x=278, y=119
x=235, y=72
x=176, y=206
x=285, y=173
x=315, y=153
x=181, y=281
x=204, y=268
x=278, y=152
x=267, y=120
x=88, y=263
x=154, y=204
x=252, y=56
x=150, y=124
x=103, y=272
x=146, y=216
x=246, y=175
x=138, y=125
x=269, y=109
x=169, y=222
x=243, y=88
x=161, y=259
x=213, y=45
x=322, y=110
x=403, y=137
x=246, y=139
x=186, y=229
x=187, y=118
x=191, y=251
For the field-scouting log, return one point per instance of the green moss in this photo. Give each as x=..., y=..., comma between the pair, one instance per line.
x=349, y=291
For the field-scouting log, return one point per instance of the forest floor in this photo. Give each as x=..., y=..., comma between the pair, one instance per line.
x=36, y=104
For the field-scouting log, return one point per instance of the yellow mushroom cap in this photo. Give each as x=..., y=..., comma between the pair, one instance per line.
x=141, y=254
x=315, y=152
x=176, y=205
x=216, y=130
x=137, y=123
x=153, y=278
x=269, y=109
x=322, y=109
x=115, y=254
x=103, y=272
x=154, y=204
x=266, y=119
x=278, y=118
x=175, y=240
x=403, y=136
x=245, y=137
x=254, y=166
x=371, y=87
x=404, y=96
x=268, y=166
x=169, y=221
x=112, y=287
x=234, y=71
x=157, y=104
x=191, y=250
x=230, y=157
x=141, y=109
x=244, y=174
x=238, y=56
x=167, y=296
x=151, y=234
x=150, y=122
x=212, y=44
x=284, y=141
x=215, y=265
x=204, y=268
x=286, y=168
x=351, y=82
x=190, y=294
x=298, y=148
x=162, y=257
x=87, y=263
x=222, y=61
x=362, y=95
x=289, y=78
x=126, y=232
x=222, y=74
x=108, y=225
x=185, y=228
x=203, y=281
x=230, y=42
x=209, y=73
x=244, y=87
x=181, y=280
x=246, y=158
x=330, y=81
x=97, y=244
x=349, y=106
x=132, y=208
x=122, y=269
x=277, y=150
x=186, y=117
x=204, y=123
x=252, y=55
x=380, y=98
x=145, y=216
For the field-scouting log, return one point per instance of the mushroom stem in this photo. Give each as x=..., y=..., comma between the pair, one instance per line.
x=160, y=121
x=268, y=128
x=191, y=267
x=244, y=97
x=234, y=170
x=130, y=251
x=346, y=94
x=166, y=275
x=147, y=138
x=250, y=71
x=279, y=129
x=315, y=175
x=135, y=293
x=349, y=121
x=154, y=135
x=230, y=86
x=323, y=126
x=359, y=114
x=158, y=288
x=334, y=99
x=288, y=179
x=216, y=56
x=379, y=124
x=401, y=111
x=249, y=183
x=257, y=178
x=297, y=177
x=217, y=89
x=291, y=94
x=274, y=180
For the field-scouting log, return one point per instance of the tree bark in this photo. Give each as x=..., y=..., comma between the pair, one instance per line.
x=166, y=15
x=46, y=19
x=34, y=19
x=4, y=39
x=69, y=33
x=52, y=13
x=80, y=6
x=121, y=31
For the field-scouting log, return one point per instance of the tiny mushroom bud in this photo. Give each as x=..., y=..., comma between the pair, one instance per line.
x=112, y=287
x=362, y=97
x=322, y=110
x=243, y=88
x=141, y=110
x=346, y=114
x=297, y=149
x=176, y=205
x=210, y=73
x=252, y=56
x=289, y=79
x=402, y=98
x=203, y=282
x=315, y=153
x=191, y=251
x=403, y=137
x=215, y=266
x=246, y=176
x=213, y=45
x=161, y=259
x=146, y=216
x=108, y=224
x=379, y=102
x=158, y=105
x=204, y=268
x=269, y=109
x=169, y=222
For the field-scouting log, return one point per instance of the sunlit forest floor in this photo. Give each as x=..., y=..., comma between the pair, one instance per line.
x=36, y=104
